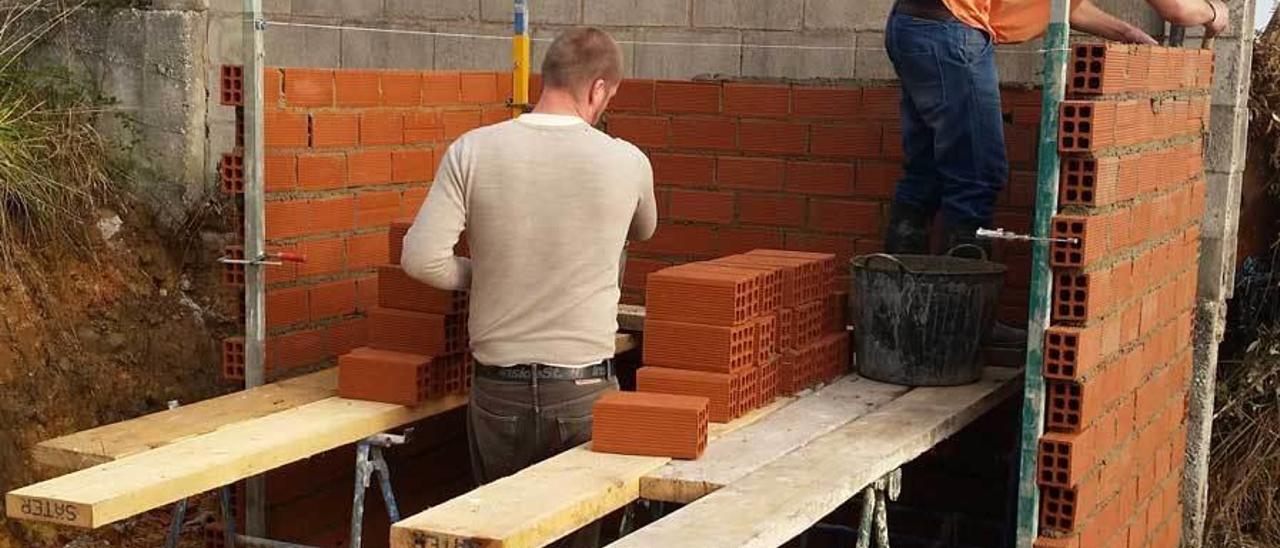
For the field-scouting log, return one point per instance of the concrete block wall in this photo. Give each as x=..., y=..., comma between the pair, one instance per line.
x=1118, y=353
x=349, y=153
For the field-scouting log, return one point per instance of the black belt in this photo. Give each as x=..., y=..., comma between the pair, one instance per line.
x=933, y=10
x=526, y=372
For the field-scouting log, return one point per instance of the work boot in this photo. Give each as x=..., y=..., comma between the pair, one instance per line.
x=962, y=240
x=908, y=232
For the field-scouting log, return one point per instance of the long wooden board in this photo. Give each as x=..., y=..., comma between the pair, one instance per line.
x=115, y=490
x=544, y=502
x=782, y=499
x=115, y=441
x=122, y=439
x=747, y=450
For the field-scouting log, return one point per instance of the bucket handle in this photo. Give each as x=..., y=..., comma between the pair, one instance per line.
x=981, y=251
x=902, y=269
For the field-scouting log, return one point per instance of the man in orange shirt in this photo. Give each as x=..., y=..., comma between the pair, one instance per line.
x=952, y=124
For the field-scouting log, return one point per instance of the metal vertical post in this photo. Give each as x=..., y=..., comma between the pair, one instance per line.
x=254, y=236
x=1055, y=77
x=521, y=52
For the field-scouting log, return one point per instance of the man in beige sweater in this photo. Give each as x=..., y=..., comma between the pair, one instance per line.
x=548, y=203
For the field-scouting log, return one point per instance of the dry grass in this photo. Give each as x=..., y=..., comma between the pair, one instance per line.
x=56, y=169
x=1244, y=474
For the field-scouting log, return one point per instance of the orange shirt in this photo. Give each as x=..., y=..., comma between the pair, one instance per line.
x=1007, y=21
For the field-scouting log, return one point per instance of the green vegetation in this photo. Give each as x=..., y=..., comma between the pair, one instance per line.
x=56, y=169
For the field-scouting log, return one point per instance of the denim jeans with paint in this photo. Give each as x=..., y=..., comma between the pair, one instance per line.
x=952, y=126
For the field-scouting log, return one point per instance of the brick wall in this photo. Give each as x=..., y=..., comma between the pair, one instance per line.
x=1118, y=353
x=348, y=152
x=740, y=166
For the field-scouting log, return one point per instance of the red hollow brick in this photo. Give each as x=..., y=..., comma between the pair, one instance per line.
x=357, y=88
x=286, y=129
x=413, y=165
x=395, y=238
x=322, y=171
x=771, y=209
x=642, y=131
x=333, y=299
x=1070, y=352
x=881, y=103
x=749, y=173
x=401, y=88
x=479, y=87
x=1080, y=296
x=384, y=376
x=298, y=217
x=688, y=97
x=713, y=207
x=335, y=129
x=287, y=307
x=704, y=133
x=441, y=88
x=715, y=298
x=721, y=389
x=861, y=218
x=369, y=167
x=773, y=137
x=683, y=169
x=1087, y=126
x=366, y=251
x=700, y=347
x=458, y=122
x=381, y=128
x=280, y=172
x=231, y=85
x=417, y=332
x=759, y=100
x=396, y=290
x=660, y=425
x=835, y=179
x=327, y=256
x=308, y=87
x=231, y=172
x=634, y=96
x=1065, y=458
x=827, y=102
x=377, y=208
x=847, y=141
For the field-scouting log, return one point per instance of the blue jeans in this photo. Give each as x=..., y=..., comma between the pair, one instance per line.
x=952, y=125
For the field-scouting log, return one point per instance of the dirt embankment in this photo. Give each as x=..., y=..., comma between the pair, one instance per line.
x=90, y=341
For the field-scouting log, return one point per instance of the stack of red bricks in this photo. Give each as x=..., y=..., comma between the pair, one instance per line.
x=729, y=334
x=417, y=340
x=743, y=329
x=347, y=152
x=1118, y=353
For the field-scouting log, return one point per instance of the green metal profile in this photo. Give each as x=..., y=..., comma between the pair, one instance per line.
x=1056, y=43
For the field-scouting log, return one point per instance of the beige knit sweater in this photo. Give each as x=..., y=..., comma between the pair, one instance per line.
x=547, y=203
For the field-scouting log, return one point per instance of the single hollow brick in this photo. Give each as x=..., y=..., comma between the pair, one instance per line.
x=772, y=278
x=704, y=133
x=660, y=425
x=720, y=389
x=773, y=137
x=823, y=268
x=396, y=290
x=233, y=358
x=308, y=87
x=1071, y=352
x=826, y=102
x=1097, y=237
x=239, y=127
x=357, y=88
x=1098, y=69
x=1086, y=126
x=723, y=298
x=769, y=379
x=384, y=376
x=335, y=129
x=770, y=100
x=231, y=172
x=231, y=88
x=700, y=347
x=233, y=275
x=767, y=337
x=634, y=96
x=688, y=97
x=808, y=321
x=401, y=88
x=1082, y=296
x=417, y=332
x=1066, y=458
x=395, y=238
x=286, y=129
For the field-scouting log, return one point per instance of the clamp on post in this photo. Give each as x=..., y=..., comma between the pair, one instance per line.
x=1002, y=234
x=272, y=259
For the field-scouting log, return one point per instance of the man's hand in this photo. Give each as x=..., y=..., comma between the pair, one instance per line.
x=1134, y=35
x=1221, y=16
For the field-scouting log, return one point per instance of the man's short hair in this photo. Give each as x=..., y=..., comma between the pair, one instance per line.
x=581, y=56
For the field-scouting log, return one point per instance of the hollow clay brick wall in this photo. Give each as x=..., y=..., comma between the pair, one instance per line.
x=348, y=152
x=746, y=165
x=1118, y=353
